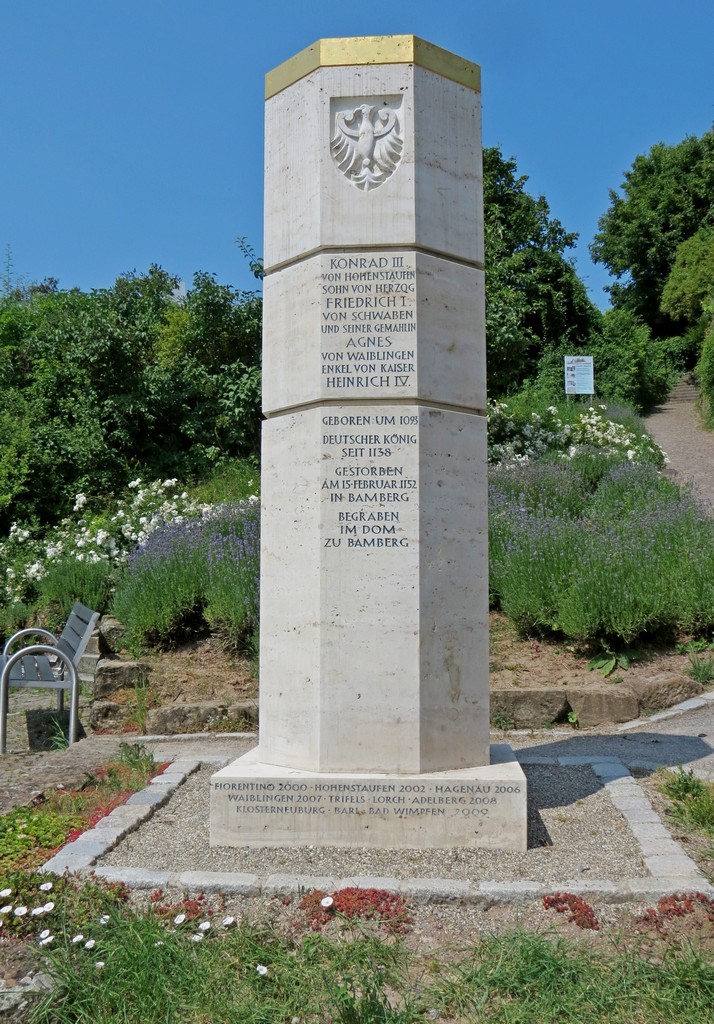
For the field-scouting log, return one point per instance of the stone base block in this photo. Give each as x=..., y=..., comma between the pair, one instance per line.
x=259, y=804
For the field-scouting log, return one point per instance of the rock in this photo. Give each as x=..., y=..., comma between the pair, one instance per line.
x=111, y=635
x=595, y=705
x=113, y=674
x=105, y=714
x=180, y=718
x=528, y=708
x=240, y=717
x=17, y=1002
x=206, y=716
x=663, y=690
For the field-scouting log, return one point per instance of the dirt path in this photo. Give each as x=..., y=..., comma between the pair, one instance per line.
x=676, y=427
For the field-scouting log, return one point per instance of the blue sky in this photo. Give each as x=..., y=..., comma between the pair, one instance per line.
x=131, y=131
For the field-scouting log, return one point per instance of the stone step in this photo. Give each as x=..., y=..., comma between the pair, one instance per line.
x=88, y=664
x=93, y=645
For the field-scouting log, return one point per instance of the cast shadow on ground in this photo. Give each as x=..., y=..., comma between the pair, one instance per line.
x=662, y=749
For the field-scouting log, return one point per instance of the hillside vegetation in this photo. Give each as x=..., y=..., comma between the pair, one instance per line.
x=109, y=398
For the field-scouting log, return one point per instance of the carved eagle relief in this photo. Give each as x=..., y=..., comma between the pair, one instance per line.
x=367, y=144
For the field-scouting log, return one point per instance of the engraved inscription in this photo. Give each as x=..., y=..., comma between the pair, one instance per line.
x=383, y=799
x=368, y=323
x=367, y=140
x=369, y=456
x=368, y=487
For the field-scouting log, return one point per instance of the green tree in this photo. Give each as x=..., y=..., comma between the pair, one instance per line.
x=666, y=197
x=534, y=298
x=691, y=282
x=630, y=364
x=93, y=393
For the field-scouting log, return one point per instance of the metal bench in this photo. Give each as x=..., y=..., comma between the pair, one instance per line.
x=49, y=665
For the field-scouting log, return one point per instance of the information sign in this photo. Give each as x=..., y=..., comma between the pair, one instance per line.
x=579, y=375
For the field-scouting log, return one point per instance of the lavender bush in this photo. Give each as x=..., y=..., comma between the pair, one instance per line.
x=634, y=556
x=233, y=579
x=201, y=571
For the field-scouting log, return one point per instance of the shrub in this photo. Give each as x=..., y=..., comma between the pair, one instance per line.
x=705, y=375
x=89, y=538
x=517, y=432
x=629, y=364
x=595, y=570
x=233, y=577
x=191, y=573
x=161, y=591
x=69, y=580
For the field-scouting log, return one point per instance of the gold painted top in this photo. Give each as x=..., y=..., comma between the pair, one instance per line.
x=373, y=50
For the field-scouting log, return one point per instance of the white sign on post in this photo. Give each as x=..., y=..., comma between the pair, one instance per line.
x=579, y=375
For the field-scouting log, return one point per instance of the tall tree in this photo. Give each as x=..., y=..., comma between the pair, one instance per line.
x=534, y=298
x=691, y=284
x=98, y=386
x=666, y=197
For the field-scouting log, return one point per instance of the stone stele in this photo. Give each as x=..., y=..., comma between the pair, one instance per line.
x=374, y=702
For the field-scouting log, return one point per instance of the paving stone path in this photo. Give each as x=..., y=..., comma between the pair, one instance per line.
x=23, y=776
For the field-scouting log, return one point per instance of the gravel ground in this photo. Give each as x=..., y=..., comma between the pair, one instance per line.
x=574, y=831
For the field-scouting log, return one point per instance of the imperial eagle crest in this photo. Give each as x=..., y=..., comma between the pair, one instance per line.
x=367, y=144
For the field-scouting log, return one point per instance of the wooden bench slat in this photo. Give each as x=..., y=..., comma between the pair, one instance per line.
x=35, y=668
x=72, y=637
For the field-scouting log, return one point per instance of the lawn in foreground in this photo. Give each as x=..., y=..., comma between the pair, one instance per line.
x=146, y=968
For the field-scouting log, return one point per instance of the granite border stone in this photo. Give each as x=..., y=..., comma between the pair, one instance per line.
x=82, y=853
x=671, y=870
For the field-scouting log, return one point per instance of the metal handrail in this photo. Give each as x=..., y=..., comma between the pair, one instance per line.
x=37, y=631
x=73, y=687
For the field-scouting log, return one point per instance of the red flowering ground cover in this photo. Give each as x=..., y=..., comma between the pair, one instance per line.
x=387, y=908
x=578, y=911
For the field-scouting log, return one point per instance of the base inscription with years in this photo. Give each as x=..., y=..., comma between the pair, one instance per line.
x=254, y=804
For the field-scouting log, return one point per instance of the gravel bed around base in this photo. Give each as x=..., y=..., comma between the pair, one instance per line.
x=573, y=832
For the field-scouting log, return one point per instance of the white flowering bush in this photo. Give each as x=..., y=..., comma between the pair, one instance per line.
x=514, y=439
x=102, y=539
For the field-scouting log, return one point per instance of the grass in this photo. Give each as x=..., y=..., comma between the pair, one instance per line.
x=144, y=968
x=692, y=800
x=154, y=972
x=701, y=667
x=525, y=978
x=503, y=720
x=342, y=958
